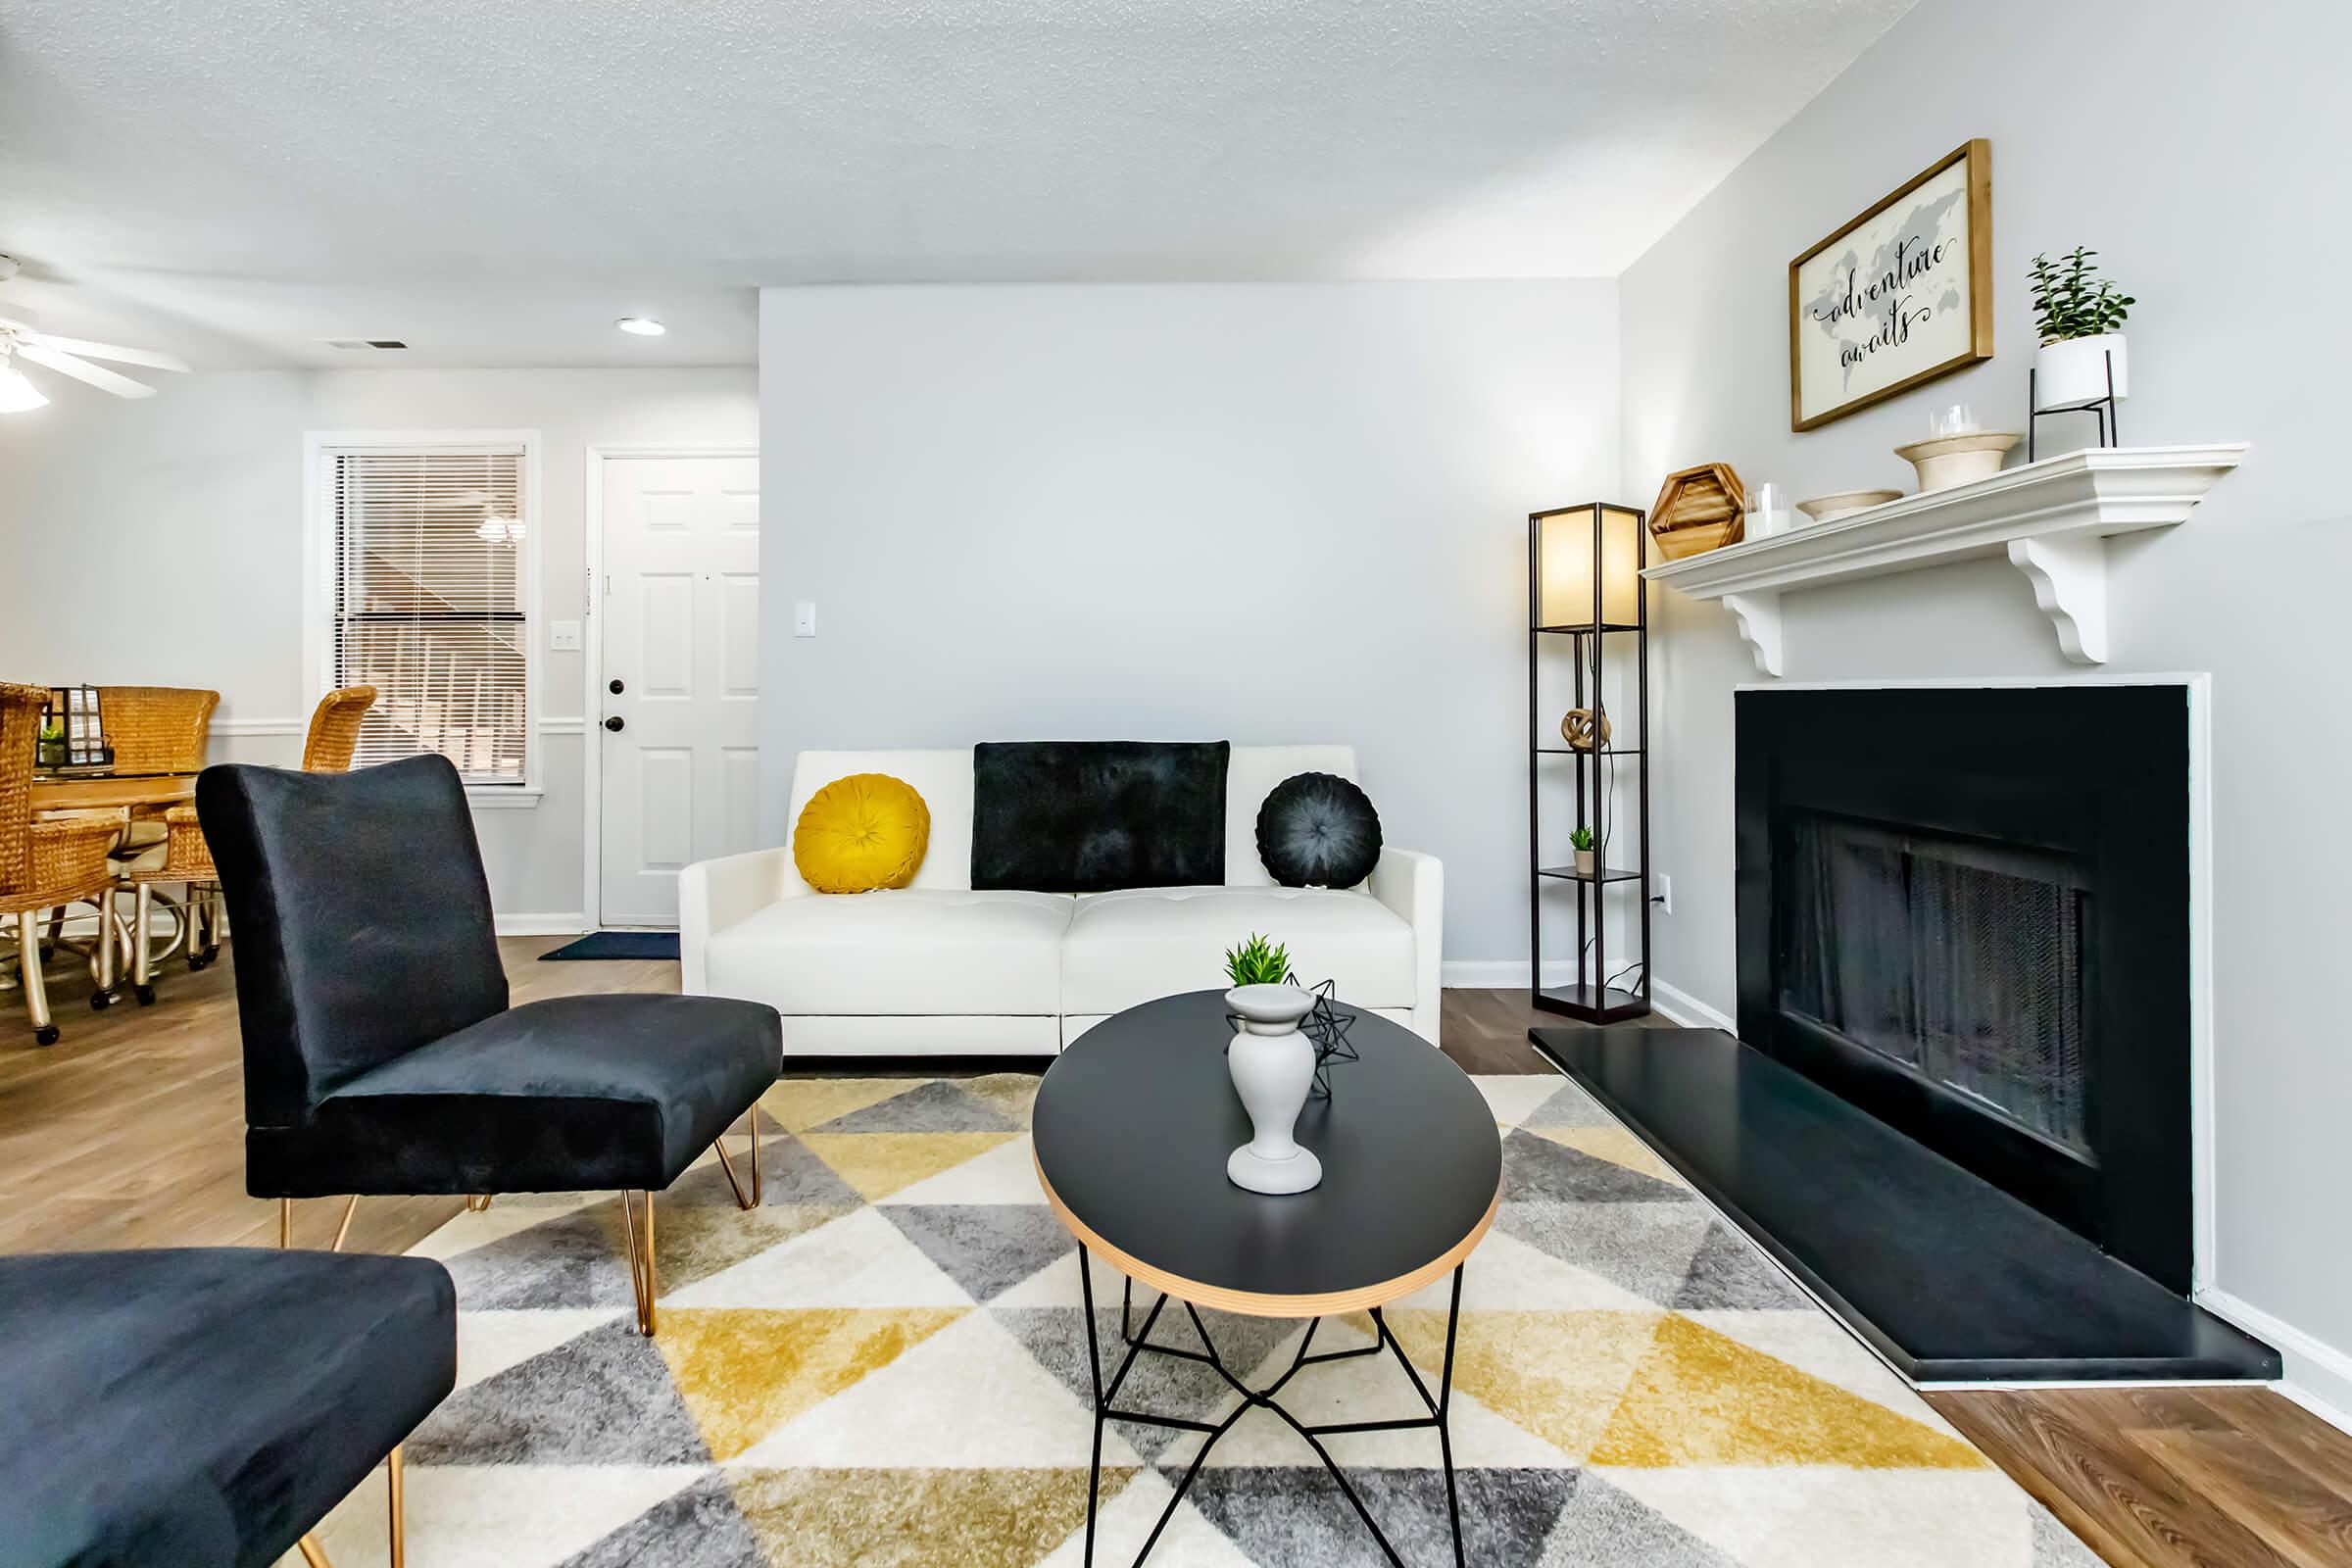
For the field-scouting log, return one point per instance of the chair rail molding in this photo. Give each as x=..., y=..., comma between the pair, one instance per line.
x=2049, y=519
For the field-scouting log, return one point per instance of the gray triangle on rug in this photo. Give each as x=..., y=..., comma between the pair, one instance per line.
x=699, y=1527
x=937, y=1107
x=986, y=1248
x=1536, y=1170
x=604, y=1396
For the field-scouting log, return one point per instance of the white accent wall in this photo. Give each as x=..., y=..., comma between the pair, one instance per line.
x=1261, y=513
x=161, y=544
x=2197, y=159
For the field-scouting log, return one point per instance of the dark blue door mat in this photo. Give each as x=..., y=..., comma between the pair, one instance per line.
x=1946, y=1276
x=618, y=945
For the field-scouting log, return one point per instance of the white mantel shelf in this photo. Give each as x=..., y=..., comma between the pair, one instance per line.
x=2050, y=519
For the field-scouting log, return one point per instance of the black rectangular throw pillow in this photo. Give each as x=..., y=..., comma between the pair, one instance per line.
x=1087, y=816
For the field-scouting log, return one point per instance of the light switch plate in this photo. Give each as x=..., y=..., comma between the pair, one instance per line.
x=564, y=636
x=804, y=618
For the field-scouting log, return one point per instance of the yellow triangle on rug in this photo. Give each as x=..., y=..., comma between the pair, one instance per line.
x=1699, y=1398
x=878, y=1165
x=744, y=1371
x=914, y=1518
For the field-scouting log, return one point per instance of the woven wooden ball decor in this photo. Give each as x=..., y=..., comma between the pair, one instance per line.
x=1579, y=729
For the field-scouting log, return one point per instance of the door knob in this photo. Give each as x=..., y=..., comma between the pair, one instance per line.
x=616, y=687
x=614, y=723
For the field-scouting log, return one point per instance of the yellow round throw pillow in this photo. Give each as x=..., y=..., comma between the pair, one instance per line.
x=861, y=833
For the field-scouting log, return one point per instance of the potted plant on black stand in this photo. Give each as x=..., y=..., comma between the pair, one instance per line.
x=2079, y=316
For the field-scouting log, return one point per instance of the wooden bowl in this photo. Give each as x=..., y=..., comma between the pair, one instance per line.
x=1845, y=504
x=1697, y=510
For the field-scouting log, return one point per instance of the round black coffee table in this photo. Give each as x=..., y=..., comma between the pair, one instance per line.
x=1132, y=1126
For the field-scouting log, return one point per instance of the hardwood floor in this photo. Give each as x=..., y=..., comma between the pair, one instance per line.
x=2151, y=1478
x=130, y=1132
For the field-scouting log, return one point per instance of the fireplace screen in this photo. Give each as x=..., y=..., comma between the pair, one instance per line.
x=1961, y=961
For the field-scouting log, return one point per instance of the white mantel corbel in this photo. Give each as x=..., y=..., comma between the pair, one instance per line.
x=2050, y=519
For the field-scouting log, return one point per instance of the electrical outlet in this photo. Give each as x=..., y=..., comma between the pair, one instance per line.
x=1663, y=897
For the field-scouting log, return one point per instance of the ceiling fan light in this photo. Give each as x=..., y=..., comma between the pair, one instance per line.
x=17, y=394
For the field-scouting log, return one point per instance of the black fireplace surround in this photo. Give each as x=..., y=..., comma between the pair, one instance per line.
x=1965, y=910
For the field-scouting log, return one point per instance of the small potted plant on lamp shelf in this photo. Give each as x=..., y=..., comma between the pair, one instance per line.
x=2079, y=316
x=1581, y=841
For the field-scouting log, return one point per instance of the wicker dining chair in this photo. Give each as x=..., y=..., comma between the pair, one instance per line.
x=333, y=737
x=49, y=863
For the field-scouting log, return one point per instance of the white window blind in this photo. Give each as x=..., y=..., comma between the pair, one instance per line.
x=429, y=605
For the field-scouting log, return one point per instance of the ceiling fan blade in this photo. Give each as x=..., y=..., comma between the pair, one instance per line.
x=149, y=358
x=122, y=386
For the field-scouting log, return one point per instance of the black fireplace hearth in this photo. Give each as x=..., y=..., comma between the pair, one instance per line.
x=1958, y=1108
x=1965, y=912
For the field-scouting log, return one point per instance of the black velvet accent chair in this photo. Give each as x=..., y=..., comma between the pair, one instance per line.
x=208, y=1405
x=380, y=1053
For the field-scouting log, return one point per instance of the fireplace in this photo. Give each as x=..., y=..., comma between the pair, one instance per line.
x=1965, y=912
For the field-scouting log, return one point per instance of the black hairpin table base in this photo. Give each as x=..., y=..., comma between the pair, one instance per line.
x=1137, y=1342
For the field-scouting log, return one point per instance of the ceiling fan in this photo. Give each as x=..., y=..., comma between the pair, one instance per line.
x=66, y=356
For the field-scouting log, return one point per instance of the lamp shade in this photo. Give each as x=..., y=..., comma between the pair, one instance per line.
x=1573, y=543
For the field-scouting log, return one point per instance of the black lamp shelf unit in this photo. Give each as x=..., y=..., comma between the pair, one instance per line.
x=1597, y=642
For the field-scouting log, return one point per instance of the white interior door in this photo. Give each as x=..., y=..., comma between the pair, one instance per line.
x=681, y=669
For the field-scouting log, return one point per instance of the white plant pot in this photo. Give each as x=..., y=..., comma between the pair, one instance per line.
x=2075, y=371
x=1273, y=1066
x=1587, y=862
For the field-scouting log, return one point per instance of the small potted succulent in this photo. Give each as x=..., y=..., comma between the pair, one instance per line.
x=49, y=749
x=1258, y=961
x=2079, y=316
x=1581, y=841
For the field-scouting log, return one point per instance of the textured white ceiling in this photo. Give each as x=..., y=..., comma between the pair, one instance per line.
x=496, y=179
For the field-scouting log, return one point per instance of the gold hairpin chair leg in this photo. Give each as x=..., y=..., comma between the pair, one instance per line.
x=395, y=1484
x=477, y=1203
x=641, y=1257
x=752, y=1119
x=285, y=1223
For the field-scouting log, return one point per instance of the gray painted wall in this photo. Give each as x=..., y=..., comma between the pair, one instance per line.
x=175, y=526
x=2197, y=151
x=1260, y=512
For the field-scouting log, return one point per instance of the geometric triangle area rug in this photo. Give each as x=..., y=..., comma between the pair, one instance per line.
x=884, y=1366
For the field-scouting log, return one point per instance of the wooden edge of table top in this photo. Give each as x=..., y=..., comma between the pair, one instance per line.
x=1250, y=1303
x=111, y=793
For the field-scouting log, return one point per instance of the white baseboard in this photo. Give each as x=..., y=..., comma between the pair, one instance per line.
x=2318, y=1375
x=1686, y=1009
x=542, y=925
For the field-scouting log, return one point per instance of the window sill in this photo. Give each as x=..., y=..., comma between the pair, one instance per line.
x=501, y=796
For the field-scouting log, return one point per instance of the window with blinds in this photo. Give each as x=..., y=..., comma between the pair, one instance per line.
x=428, y=603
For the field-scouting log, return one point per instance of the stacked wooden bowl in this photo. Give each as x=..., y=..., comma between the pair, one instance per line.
x=1697, y=510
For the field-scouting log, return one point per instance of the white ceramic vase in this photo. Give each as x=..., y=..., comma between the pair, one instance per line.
x=2075, y=371
x=1273, y=1066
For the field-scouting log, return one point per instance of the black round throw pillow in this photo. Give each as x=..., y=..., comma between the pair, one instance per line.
x=1318, y=830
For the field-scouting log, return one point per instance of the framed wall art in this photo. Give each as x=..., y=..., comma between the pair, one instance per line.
x=1897, y=297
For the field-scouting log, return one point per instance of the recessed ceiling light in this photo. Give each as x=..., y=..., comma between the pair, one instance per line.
x=642, y=325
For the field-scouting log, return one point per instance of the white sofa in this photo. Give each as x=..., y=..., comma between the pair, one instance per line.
x=938, y=968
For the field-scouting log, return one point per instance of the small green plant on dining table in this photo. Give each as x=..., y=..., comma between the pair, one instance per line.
x=1258, y=961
